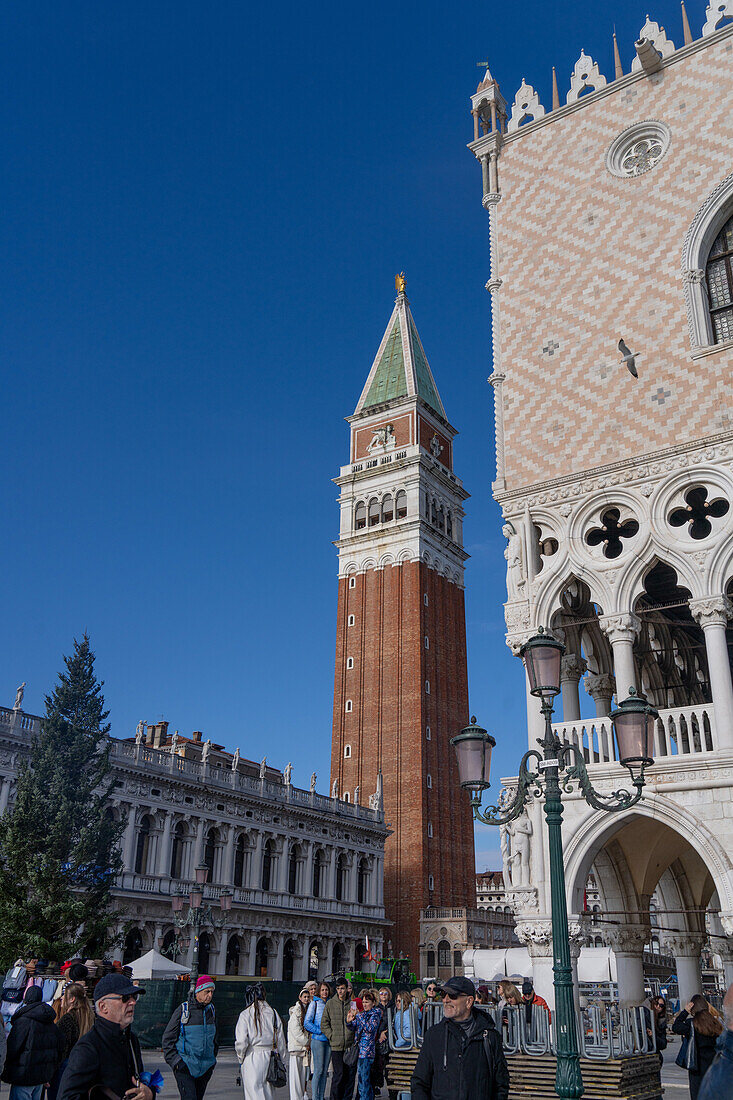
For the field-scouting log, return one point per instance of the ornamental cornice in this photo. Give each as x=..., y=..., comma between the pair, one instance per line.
x=712, y=610
x=640, y=469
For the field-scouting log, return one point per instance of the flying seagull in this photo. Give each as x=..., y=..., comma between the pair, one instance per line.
x=629, y=358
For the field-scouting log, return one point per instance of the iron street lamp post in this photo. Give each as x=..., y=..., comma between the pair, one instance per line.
x=556, y=769
x=199, y=915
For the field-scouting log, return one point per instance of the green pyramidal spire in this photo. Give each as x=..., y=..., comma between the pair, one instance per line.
x=400, y=368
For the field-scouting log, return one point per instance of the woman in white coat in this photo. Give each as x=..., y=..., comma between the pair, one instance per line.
x=299, y=1047
x=259, y=1030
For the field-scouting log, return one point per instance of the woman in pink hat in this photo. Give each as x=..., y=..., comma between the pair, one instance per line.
x=190, y=1041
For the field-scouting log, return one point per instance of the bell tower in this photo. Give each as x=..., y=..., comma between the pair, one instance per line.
x=401, y=687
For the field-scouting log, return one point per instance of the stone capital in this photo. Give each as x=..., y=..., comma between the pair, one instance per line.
x=572, y=667
x=684, y=944
x=620, y=628
x=712, y=610
x=726, y=919
x=600, y=684
x=694, y=275
x=536, y=935
x=627, y=939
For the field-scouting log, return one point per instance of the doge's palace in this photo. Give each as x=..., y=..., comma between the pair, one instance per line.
x=611, y=282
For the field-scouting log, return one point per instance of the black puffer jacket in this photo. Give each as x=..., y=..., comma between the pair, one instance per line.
x=453, y=1063
x=106, y=1056
x=35, y=1045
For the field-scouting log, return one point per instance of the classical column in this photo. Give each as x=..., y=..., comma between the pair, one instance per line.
x=622, y=631
x=713, y=613
x=300, y=963
x=227, y=874
x=600, y=686
x=330, y=891
x=536, y=935
x=307, y=889
x=251, y=954
x=375, y=894
x=725, y=950
x=128, y=843
x=255, y=876
x=275, y=960
x=221, y=964
x=164, y=858
x=686, y=948
x=283, y=867
x=572, y=668
x=5, y=786
x=628, y=942
x=198, y=849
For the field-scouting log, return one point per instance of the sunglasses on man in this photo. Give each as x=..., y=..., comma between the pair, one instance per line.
x=448, y=995
x=124, y=997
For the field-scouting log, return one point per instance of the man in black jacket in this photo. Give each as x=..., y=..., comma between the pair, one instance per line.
x=462, y=1056
x=34, y=1048
x=109, y=1054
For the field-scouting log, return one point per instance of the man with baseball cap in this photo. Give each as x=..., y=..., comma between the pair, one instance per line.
x=461, y=1057
x=108, y=1056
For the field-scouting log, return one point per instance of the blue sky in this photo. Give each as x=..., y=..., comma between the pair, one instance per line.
x=203, y=207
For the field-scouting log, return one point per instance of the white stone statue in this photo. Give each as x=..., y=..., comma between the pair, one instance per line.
x=335, y=789
x=174, y=742
x=382, y=438
x=376, y=800
x=140, y=733
x=313, y=782
x=515, y=578
x=288, y=774
x=504, y=844
x=235, y=760
x=205, y=751
x=19, y=696
x=356, y=796
x=520, y=832
x=436, y=447
x=263, y=765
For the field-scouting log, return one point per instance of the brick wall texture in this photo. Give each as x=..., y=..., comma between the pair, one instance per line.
x=387, y=729
x=587, y=258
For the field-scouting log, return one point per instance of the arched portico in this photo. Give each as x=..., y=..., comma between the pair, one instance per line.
x=653, y=847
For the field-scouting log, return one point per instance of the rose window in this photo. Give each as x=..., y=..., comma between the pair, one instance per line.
x=698, y=512
x=638, y=149
x=612, y=532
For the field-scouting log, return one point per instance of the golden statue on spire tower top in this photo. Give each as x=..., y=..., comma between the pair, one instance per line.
x=399, y=282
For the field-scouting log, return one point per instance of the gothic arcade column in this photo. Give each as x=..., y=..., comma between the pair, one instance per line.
x=713, y=614
x=686, y=948
x=628, y=942
x=536, y=935
x=571, y=670
x=600, y=686
x=622, y=631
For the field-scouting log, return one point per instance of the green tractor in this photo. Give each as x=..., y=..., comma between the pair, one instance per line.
x=389, y=972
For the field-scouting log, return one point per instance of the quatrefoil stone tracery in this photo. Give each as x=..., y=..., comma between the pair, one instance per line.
x=698, y=512
x=612, y=532
x=642, y=156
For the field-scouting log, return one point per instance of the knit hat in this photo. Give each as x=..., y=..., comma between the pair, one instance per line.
x=527, y=987
x=204, y=982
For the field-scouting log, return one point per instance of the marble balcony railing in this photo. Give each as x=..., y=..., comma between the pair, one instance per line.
x=680, y=732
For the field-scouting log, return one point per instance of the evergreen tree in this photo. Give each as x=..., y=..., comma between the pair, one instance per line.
x=59, y=844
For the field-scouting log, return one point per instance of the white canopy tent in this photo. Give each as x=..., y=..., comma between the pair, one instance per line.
x=154, y=965
x=596, y=965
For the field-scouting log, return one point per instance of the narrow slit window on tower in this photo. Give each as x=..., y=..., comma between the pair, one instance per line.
x=347, y=796
x=347, y=752
x=427, y=687
x=427, y=642
x=428, y=734
x=425, y=599
x=429, y=782
x=431, y=882
x=351, y=620
x=349, y=706
x=352, y=582
x=349, y=662
x=430, y=828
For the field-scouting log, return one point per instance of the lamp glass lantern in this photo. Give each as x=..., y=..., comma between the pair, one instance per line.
x=177, y=902
x=542, y=656
x=225, y=901
x=473, y=747
x=633, y=723
x=196, y=897
x=202, y=874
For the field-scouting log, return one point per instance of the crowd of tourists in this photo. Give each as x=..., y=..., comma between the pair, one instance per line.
x=82, y=1045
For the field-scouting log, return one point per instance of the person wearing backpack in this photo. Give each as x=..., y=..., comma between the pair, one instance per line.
x=461, y=1057
x=190, y=1041
x=34, y=1047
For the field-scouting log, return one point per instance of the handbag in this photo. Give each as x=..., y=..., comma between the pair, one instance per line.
x=687, y=1056
x=276, y=1072
x=351, y=1054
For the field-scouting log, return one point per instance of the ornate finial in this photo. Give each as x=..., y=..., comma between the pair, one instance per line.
x=399, y=282
x=686, y=32
x=473, y=719
x=618, y=67
x=555, y=93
